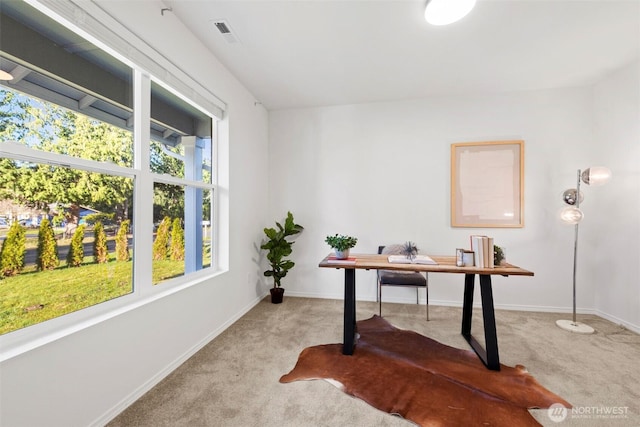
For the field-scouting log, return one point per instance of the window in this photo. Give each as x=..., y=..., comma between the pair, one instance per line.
x=180, y=137
x=66, y=183
x=96, y=222
x=181, y=160
x=182, y=239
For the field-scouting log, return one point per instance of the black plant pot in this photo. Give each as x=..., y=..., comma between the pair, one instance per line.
x=276, y=295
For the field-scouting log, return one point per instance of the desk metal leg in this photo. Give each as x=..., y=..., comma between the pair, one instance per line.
x=467, y=305
x=349, y=311
x=488, y=354
x=489, y=318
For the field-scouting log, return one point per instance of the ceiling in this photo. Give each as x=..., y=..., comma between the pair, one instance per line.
x=293, y=54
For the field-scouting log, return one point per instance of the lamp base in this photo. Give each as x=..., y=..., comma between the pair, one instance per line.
x=577, y=327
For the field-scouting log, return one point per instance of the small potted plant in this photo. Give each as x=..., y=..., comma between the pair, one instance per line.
x=341, y=244
x=498, y=255
x=278, y=247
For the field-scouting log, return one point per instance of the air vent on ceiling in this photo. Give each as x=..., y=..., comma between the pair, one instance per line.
x=225, y=30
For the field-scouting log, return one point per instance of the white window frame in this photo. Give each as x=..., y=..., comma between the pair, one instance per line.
x=96, y=21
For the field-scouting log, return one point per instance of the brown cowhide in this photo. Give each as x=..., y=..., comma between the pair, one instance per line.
x=404, y=373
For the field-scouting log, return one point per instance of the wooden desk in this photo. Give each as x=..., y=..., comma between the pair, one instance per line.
x=446, y=264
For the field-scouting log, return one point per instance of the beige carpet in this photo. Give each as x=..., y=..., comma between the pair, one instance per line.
x=233, y=381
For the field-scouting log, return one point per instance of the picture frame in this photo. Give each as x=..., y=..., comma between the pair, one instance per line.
x=487, y=184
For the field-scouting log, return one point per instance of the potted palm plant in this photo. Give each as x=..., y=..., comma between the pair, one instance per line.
x=341, y=244
x=279, y=246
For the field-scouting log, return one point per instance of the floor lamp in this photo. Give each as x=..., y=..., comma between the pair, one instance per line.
x=572, y=214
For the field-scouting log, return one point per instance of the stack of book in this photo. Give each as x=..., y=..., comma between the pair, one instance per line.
x=482, y=247
x=333, y=260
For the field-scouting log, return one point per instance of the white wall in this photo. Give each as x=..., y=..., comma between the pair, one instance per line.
x=381, y=172
x=88, y=377
x=616, y=207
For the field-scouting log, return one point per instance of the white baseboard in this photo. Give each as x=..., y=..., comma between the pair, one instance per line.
x=614, y=319
x=447, y=303
x=511, y=307
x=322, y=295
x=153, y=381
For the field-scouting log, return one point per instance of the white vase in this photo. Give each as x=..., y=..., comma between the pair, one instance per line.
x=342, y=254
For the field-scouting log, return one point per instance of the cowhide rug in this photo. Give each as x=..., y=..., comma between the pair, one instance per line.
x=407, y=374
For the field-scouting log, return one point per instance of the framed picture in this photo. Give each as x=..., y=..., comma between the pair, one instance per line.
x=487, y=184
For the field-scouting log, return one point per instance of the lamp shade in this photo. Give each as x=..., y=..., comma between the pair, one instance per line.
x=596, y=175
x=571, y=215
x=444, y=12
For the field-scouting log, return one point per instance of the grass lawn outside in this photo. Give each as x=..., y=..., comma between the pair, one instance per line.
x=36, y=296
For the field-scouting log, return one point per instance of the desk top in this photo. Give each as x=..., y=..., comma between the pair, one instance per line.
x=446, y=264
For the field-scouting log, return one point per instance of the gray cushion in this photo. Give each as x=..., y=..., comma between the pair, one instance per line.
x=388, y=277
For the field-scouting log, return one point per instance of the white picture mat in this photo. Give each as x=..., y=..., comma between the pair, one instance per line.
x=487, y=184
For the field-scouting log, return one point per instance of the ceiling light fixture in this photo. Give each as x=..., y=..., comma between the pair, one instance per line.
x=444, y=12
x=5, y=76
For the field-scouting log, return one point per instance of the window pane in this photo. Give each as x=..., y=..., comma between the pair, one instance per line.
x=64, y=248
x=45, y=126
x=181, y=137
x=168, y=240
x=182, y=241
